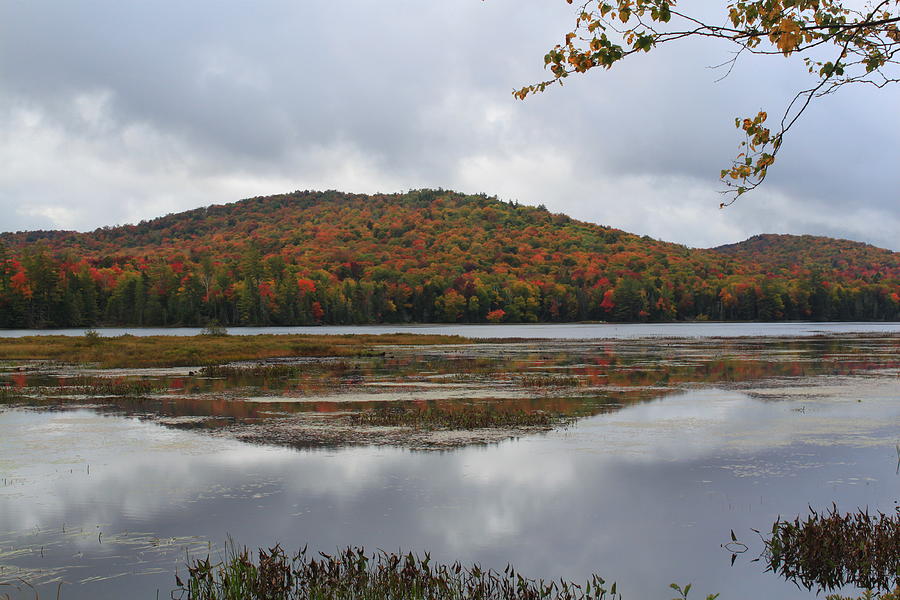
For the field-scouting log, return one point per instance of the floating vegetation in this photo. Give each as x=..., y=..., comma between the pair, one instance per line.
x=84, y=386
x=9, y=393
x=550, y=381
x=264, y=370
x=129, y=553
x=268, y=370
x=463, y=417
x=830, y=550
x=352, y=574
x=172, y=351
x=105, y=386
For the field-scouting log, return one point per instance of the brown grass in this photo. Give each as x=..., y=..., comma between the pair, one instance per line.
x=180, y=351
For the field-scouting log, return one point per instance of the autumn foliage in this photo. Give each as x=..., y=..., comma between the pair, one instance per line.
x=425, y=256
x=841, y=43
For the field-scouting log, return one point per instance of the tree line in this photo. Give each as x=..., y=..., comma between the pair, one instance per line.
x=427, y=256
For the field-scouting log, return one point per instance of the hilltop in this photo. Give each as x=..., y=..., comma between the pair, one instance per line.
x=424, y=256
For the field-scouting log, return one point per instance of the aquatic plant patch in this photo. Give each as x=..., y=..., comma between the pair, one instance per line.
x=831, y=549
x=267, y=370
x=354, y=574
x=86, y=386
x=462, y=417
x=158, y=351
x=551, y=381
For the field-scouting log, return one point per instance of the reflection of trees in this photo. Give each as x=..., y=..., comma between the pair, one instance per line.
x=575, y=379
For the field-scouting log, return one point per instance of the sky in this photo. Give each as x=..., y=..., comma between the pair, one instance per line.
x=115, y=112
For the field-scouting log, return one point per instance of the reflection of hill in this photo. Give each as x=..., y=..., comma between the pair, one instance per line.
x=567, y=379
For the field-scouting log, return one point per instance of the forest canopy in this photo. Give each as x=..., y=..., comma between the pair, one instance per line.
x=425, y=256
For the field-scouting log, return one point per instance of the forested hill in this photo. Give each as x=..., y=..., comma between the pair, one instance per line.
x=424, y=256
x=852, y=259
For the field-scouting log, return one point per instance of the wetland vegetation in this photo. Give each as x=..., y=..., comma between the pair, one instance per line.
x=831, y=549
x=421, y=392
x=129, y=351
x=354, y=574
x=348, y=402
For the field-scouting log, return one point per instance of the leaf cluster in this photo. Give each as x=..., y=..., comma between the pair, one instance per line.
x=839, y=44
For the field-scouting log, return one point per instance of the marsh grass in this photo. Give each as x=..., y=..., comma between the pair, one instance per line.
x=549, y=381
x=830, y=550
x=260, y=370
x=85, y=386
x=104, y=386
x=182, y=351
x=459, y=418
x=352, y=574
x=271, y=370
x=10, y=393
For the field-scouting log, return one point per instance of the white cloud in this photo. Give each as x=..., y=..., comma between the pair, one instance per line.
x=111, y=115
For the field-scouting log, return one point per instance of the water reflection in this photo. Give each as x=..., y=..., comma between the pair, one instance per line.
x=579, y=331
x=644, y=495
x=678, y=442
x=306, y=403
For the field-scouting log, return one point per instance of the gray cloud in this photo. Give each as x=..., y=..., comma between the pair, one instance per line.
x=115, y=112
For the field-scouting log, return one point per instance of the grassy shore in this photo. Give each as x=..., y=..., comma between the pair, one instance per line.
x=182, y=351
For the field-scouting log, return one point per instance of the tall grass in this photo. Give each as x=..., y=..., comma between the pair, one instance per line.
x=352, y=574
x=105, y=386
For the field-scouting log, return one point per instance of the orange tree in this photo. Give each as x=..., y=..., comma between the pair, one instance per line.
x=841, y=42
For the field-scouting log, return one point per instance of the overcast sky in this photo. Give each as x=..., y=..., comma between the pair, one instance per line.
x=112, y=112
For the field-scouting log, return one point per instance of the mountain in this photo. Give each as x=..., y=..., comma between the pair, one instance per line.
x=852, y=260
x=424, y=256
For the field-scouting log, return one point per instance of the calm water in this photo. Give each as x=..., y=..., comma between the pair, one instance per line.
x=542, y=331
x=716, y=436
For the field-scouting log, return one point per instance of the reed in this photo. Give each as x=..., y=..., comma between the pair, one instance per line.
x=352, y=574
x=829, y=550
x=104, y=386
x=85, y=386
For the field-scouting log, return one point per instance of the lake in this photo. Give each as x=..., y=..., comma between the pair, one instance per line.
x=533, y=331
x=675, y=443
